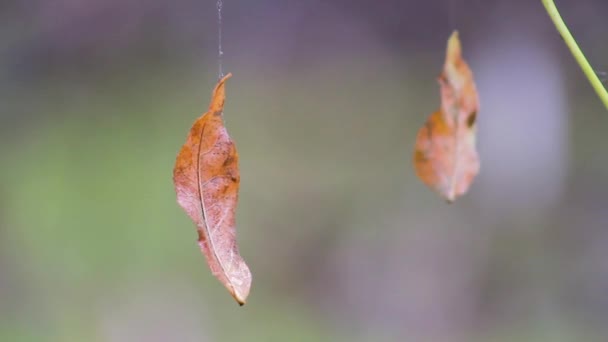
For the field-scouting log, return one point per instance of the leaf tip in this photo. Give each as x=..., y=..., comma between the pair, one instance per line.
x=238, y=282
x=240, y=295
x=226, y=77
x=454, y=50
x=219, y=95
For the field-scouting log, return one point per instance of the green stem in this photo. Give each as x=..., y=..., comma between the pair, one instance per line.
x=576, y=51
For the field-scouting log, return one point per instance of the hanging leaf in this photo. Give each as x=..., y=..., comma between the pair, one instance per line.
x=206, y=178
x=445, y=158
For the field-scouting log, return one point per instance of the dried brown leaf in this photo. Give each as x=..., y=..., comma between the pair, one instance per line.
x=446, y=158
x=206, y=178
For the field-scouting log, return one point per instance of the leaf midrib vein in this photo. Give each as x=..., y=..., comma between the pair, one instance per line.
x=202, y=200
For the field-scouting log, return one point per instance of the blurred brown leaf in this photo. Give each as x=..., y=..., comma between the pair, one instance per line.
x=206, y=178
x=445, y=158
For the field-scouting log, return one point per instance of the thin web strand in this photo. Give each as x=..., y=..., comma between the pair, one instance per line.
x=220, y=52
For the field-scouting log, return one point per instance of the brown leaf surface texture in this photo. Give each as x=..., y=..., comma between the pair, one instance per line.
x=206, y=178
x=446, y=158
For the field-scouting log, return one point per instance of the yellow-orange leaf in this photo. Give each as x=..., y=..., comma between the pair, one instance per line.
x=446, y=158
x=206, y=178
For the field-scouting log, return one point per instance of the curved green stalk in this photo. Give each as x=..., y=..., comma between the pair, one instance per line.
x=576, y=51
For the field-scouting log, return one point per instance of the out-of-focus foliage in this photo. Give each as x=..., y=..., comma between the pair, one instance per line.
x=344, y=242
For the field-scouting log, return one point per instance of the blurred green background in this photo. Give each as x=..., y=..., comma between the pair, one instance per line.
x=344, y=243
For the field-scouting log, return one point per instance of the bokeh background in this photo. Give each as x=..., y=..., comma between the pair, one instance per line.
x=345, y=244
